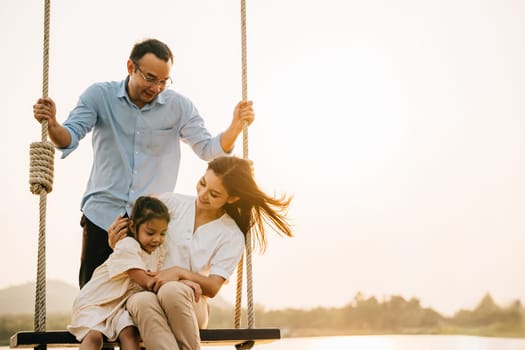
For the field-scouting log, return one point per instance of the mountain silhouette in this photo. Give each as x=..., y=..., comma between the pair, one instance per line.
x=20, y=299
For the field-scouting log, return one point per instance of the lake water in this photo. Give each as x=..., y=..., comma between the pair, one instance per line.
x=387, y=342
x=391, y=342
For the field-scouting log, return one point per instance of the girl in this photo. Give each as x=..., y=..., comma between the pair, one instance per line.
x=99, y=309
x=204, y=244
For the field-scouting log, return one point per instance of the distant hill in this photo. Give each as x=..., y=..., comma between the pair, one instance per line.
x=21, y=298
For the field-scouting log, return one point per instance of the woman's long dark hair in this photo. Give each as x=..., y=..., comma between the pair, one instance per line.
x=254, y=207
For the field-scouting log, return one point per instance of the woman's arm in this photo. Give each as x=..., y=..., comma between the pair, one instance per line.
x=210, y=285
x=146, y=279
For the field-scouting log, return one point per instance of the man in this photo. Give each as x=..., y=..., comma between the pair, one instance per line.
x=137, y=127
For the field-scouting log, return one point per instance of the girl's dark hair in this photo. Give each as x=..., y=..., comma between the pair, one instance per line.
x=147, y=208
x=254, y=207
x=154, y=46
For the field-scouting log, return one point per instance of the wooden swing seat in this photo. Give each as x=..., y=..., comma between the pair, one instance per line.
x=241, y=338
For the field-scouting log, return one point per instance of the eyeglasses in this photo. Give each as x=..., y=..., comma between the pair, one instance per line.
x=163, y=84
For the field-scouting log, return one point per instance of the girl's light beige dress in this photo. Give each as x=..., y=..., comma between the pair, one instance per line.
x=100, y=305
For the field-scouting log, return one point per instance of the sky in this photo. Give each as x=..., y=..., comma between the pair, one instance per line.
x=398, y=127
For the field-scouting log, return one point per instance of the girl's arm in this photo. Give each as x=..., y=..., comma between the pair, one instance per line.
x=141, y=277
x=210, y=285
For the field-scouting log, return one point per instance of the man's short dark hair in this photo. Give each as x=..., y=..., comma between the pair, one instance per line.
x=154, y=46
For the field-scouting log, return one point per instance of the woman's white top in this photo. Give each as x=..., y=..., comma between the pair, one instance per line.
x=215, y=248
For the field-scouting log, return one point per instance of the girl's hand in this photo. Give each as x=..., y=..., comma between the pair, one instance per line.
x=117, y=230
x=197, y=290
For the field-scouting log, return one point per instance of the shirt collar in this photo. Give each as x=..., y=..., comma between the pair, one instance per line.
x=123, y=93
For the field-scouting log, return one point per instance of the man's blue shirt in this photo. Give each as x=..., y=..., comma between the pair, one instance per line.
x=135, y=151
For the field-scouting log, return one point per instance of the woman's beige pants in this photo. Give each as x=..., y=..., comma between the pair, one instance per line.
x=170, y=319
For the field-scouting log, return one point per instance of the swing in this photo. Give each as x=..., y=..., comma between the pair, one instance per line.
x=41, y=181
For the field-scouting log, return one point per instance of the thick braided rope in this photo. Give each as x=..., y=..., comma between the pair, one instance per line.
x=41, y=182
x=249, y=284
x=238, y=294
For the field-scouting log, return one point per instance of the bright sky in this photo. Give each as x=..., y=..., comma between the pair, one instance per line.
x=397, y=125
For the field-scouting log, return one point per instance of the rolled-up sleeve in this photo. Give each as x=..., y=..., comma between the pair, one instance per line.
x=81, y=119
x=194, y=133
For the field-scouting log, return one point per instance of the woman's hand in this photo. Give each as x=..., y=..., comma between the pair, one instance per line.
x=197, y=290
x=117, y=230
x=164, y=276
x=173, y=274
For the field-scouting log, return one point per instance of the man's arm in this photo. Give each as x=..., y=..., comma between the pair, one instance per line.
x=243, y=112
x=45, y=109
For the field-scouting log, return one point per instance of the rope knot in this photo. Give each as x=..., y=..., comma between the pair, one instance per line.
x=42, y=155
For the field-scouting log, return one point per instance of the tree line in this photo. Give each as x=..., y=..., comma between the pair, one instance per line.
x=394, y=315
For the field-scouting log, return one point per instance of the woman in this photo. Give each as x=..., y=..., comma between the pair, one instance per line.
x=204, y=244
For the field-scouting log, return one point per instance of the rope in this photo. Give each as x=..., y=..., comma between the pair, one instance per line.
x=249, y=284
x=238, y=294
x=244, y=63
x=41, y=182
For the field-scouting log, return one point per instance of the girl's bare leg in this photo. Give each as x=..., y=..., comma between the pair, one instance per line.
x=129, y=339
x=92, y=341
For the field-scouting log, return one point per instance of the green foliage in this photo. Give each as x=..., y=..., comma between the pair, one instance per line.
x=361, y=316
x=10, y=324
x=393, y=315
x=492, y=319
